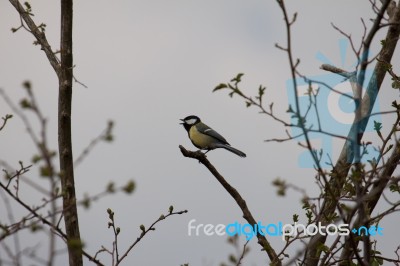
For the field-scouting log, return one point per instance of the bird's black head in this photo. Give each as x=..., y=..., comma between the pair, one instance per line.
x=190, y=121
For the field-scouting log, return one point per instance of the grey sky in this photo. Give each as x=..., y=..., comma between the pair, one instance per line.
x=149, y=63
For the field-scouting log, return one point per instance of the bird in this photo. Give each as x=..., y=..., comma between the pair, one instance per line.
x=206, y=138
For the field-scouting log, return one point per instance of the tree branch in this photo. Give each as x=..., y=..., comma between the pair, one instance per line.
x=46, y=222
x=145, y=231
x=237, y=197
x=65, y=136
x=5, y=118
x=346, y=157
x=38, y=34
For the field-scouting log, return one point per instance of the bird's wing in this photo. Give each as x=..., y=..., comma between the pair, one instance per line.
x=203, y=128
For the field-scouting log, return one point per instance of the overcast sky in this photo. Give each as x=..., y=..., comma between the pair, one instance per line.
x=146, y=65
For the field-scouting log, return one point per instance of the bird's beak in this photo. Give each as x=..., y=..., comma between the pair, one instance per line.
x=183, y=121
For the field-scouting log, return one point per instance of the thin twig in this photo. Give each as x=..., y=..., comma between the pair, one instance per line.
x=145, y=231
x=243, y=253
x=247, y=215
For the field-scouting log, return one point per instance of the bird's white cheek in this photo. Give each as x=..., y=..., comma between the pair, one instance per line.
x=190, y=121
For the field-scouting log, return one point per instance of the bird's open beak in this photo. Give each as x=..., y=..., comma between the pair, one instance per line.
x=183, y=121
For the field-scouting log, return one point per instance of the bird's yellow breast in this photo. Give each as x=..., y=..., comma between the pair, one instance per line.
x=199, y=139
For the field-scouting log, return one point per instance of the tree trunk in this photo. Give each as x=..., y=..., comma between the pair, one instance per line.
x=64, y=136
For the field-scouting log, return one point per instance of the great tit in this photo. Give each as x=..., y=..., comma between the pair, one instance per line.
x=206, y=138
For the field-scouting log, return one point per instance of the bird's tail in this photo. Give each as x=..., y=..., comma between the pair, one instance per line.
x=232, y=149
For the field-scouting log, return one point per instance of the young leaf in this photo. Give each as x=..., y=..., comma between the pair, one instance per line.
x=220, y=87
x=377, y=126
x=238, y=78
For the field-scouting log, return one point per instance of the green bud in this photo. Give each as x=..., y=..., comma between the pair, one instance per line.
x=110, y=187
x=27, y=84
x=76, y=244
x=36, y=158
x=129, y=187
x=86, y=201
x=45, y=171
x=25, y=104
x=110, y=214
x=232, y=259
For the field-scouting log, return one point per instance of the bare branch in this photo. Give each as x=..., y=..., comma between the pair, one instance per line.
x=243, y=253
x=105, y=135
x=247, y=215
x=38, y=34
x=337, y=70
x=145, y=231
x=46, y=222
x=5, y=119
x=343, y=164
